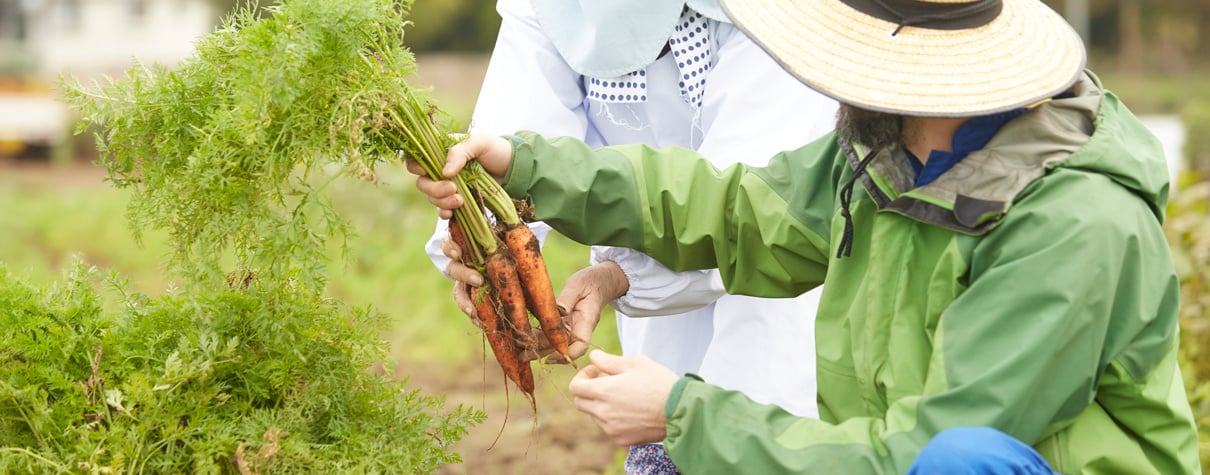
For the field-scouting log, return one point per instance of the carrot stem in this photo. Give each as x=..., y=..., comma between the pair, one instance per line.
x=494, y=196
x=413, y=126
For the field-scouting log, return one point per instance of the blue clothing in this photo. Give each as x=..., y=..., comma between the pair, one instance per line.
x=959, y=451
x=978, y=451
x=971, y=135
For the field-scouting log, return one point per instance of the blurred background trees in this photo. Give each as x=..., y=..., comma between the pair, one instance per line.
x=1153, y=53
x=1131, y=36
x=438, y=25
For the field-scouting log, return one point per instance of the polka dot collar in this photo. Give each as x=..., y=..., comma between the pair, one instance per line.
x=690, y=47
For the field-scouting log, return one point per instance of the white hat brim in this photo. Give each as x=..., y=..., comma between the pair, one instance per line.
x=1026, y=54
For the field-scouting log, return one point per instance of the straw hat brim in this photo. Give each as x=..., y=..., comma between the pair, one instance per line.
x=1026, y=54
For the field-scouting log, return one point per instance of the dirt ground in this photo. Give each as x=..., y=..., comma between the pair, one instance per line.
x=561, y=440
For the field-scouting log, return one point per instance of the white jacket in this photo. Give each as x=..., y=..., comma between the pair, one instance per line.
x=751, y=109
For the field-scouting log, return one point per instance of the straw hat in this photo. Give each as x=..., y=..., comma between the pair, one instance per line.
x=941, y=58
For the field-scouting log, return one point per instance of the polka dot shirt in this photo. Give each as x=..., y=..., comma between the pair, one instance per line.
x=690, y=47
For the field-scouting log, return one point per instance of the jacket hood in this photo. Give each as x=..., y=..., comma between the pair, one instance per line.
x=1087, y=129
x=1122, y=148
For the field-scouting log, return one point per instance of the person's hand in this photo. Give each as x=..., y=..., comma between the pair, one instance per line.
x=625, y=396
x=464, y=278
x=584, y=295
x=494, y=153
x=467, y=278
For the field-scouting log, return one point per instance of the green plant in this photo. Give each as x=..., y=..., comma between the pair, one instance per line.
x=245, y=366
x=232, y=151
x=1188, y=232
x=1196, y=116
x=258, y=379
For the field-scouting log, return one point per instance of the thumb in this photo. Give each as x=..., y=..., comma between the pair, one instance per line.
x=607, y=363
x=493, y=152
x=566, y=300
x=456, y=158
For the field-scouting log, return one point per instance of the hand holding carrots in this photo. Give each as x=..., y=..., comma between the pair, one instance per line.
x=492, y=152
x=502, y=249
x=584, y=296
x=625, y=396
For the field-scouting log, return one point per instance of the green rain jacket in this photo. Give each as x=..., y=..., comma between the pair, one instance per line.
x=1028, y=289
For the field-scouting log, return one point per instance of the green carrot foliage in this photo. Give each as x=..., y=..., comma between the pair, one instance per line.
x=231, y=150
x=262, y=379
x=246, y=367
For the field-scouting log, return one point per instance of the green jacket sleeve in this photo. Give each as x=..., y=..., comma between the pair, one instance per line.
x=1065, y=286
x=674, y=206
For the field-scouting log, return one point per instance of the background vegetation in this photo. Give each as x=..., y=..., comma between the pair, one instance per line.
x=1137, y=36
x=1153, y=53
x=1189, y=234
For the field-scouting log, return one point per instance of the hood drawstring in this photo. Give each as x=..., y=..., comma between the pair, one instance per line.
x=846, y=199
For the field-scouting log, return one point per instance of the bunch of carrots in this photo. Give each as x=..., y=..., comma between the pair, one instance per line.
x=508, y=255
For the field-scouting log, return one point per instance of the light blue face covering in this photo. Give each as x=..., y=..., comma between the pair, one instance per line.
x=610, y=38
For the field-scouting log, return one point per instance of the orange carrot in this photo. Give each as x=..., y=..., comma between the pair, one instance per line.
x=459, y=237
x=527, y=382
x=488, y=306
x=501, y=341
x=535, y=281
x=501, y=273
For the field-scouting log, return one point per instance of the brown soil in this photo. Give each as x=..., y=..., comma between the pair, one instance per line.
x=562, y=441
x=41, y=174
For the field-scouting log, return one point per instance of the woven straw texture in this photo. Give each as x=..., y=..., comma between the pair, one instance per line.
x=1028, y=53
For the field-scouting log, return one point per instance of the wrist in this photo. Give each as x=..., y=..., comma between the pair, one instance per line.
x=515, y=176
x=614, y=283
x=674, y=395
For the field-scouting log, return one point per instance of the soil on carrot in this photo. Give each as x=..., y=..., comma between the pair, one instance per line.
x=561, y=441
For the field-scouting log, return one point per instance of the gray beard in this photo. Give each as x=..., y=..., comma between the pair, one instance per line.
x=875, y=130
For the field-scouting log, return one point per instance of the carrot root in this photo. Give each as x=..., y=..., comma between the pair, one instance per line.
x=501, y=273
x=499, y=338
x=535, y=281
